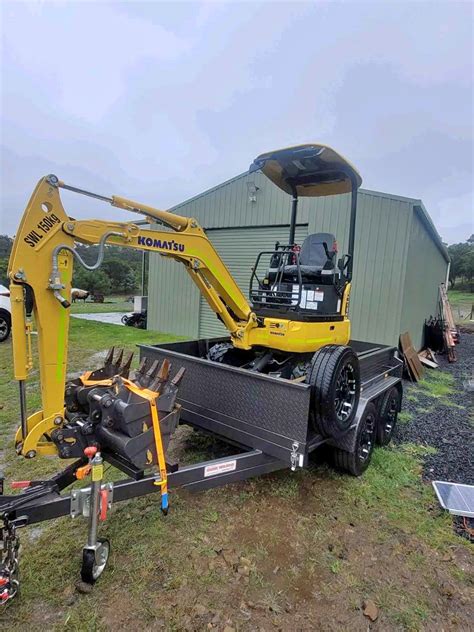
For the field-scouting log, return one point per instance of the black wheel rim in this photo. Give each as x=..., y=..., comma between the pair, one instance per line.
x=345, y=393
x=366, y=442
x=390, y=416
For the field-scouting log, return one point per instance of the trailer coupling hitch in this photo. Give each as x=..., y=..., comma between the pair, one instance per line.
x=92, y=502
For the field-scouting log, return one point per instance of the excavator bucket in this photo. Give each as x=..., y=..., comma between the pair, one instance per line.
x=112, y=366
x=107, y=409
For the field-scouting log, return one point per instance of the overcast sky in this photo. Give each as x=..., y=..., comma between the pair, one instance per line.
x=159, y=101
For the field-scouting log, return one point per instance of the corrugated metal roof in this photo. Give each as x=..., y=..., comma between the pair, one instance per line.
x=420, y=209
x=417, y=204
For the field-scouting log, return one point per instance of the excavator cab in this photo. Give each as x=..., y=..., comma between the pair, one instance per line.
x=307, y=281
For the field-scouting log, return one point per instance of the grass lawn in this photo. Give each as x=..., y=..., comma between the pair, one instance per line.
x=461, y=304
x=110, y=304
x=286, y=551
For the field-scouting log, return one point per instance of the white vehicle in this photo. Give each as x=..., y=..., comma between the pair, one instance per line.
x=5, y=313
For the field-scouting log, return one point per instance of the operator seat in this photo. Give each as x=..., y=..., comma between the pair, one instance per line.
x=319, y=271
x=317, y=259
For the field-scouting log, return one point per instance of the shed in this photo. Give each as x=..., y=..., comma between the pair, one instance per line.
x=399, y=258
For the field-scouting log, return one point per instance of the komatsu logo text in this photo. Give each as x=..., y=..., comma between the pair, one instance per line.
x=162, y=244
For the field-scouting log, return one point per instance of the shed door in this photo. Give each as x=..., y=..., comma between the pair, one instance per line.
x=238, y=248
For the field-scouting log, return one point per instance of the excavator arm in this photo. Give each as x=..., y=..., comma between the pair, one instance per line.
x=40, y=270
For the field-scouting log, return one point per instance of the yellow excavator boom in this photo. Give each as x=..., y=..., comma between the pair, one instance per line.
x=40, y=270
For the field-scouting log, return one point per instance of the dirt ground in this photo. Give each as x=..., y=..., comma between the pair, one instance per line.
x=305, y=551
x=310, y=550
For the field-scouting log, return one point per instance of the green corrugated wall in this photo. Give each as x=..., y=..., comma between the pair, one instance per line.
x=380, y=305
x=426, y=270
x=238, y=248
x=381, y=242
x=173, y=299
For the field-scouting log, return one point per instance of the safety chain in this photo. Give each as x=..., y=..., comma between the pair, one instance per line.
x=9, y=554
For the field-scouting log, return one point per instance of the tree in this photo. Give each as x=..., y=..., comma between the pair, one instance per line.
x=462, y=262
x=6, y=244
x=122, y=265
x=121, y=275
x=114, y=276
x=95, y=281
x=129, y=282
x=467, y=266
x=3, y=271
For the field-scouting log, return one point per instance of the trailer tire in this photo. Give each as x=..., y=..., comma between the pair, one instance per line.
x=333, y=376
x=357, y=461
x=389, y=408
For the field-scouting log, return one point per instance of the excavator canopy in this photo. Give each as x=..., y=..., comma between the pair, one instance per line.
x=310, y=170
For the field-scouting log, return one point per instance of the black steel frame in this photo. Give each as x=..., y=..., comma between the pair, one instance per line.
x=43, y=500
x=263, y=297
x=352, y=221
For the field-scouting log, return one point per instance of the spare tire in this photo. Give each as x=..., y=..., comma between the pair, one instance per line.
x=334, y=376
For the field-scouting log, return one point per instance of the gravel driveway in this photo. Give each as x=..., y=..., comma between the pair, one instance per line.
x=445, y=423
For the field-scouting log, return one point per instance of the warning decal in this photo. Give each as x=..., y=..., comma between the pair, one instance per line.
x=220, y=468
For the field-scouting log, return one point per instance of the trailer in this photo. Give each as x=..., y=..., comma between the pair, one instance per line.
x=285, y=381
x=271, y=414
x=265, y=418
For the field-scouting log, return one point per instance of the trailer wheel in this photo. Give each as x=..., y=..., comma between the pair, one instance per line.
x=94, y=561
x=335, y=389
x=357, y=462
x=389, y=407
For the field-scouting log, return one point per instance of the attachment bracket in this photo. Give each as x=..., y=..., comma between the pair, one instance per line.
x=81, y=500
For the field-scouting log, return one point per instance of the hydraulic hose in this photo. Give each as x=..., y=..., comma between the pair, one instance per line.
x=56, y=284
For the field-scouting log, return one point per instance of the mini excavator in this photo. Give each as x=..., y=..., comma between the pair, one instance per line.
x=280, y=319
x=291, y=335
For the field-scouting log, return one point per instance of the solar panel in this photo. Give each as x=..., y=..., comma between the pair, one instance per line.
x=458, y=499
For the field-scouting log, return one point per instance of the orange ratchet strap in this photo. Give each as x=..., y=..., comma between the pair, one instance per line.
x=150, y=396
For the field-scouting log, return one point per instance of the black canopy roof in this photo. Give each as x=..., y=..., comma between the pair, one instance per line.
x=310, y=170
